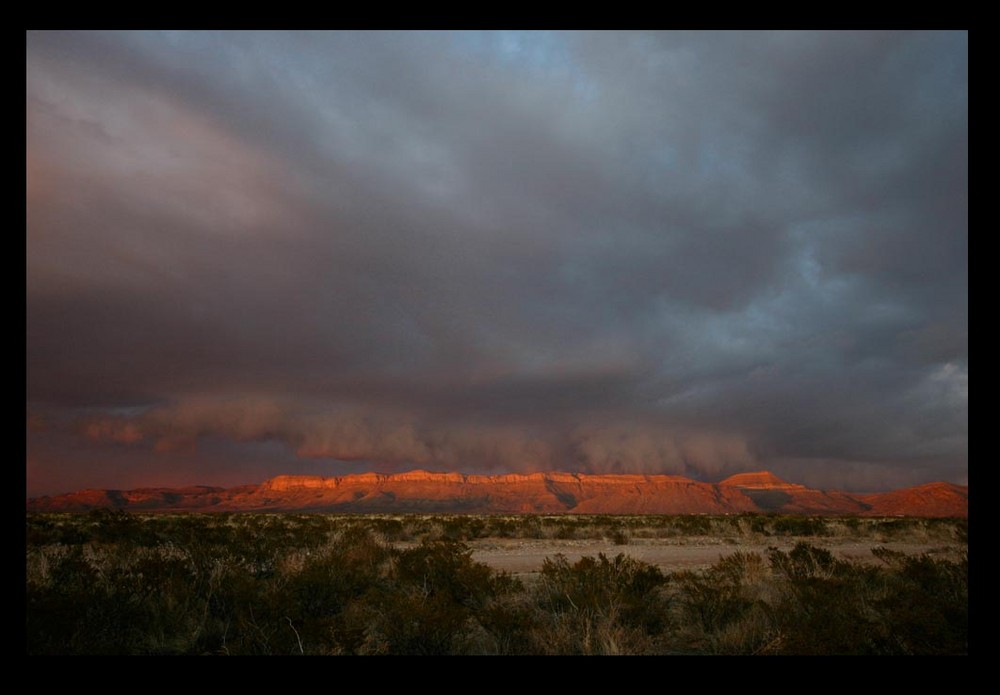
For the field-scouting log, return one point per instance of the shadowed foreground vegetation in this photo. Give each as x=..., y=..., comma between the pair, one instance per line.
x=116, y=583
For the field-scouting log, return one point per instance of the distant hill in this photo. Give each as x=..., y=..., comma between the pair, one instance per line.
x=934, y=499
x=535, y=493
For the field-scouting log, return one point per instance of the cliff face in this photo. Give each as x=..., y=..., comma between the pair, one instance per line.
x=546, y=493
x=760, y=480
x=535, y=493
x=771, y=493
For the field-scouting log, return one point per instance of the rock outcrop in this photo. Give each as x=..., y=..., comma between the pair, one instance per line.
x=760, y=480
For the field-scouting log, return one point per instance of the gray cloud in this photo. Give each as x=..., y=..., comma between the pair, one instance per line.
x=686, y=251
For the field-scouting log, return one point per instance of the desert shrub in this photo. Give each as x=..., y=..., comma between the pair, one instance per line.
x=596, y=527
x=892, y=528
x=805, y=601
x=822, y=610
x=961, y=529
x=446, y=568
x=332, y=578
x=565, y=529
x=41, y=529
x=620, y=537
x=727, y=609
x=799, y=526
x=819, y=612
x=502, y=527
x=598, y=606
x=715, y=602
x=852, y=523
x=759, y=524
x=118, y=601
x=56, y=604
x=529, y=527
x=408, y=621
x=510, y=620
x=432, y=602
x=622, y=586
x=925, y=608
x=463, y=528
x=44, y=529
x=114, y=525
x=804, y=562
x=390, y=529
x=913, y=605
x=116, y=583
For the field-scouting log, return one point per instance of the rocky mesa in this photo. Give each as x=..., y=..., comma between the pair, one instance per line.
x=534, y=493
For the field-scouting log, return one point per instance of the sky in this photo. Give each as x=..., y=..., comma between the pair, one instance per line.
x=693, y=253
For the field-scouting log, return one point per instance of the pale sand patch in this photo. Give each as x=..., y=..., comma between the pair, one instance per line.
x=525, y=556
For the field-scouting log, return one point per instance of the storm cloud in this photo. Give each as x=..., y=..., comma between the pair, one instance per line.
x=255, y=253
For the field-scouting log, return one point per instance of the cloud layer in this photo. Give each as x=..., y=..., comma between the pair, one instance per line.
x=252, y=253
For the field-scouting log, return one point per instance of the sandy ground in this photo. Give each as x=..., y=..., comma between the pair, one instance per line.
x=525, y=556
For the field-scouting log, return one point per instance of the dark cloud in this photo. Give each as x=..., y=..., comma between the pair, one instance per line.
x=687, y=252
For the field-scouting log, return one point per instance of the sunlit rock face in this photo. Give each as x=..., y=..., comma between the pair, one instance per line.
x=535, y=493
x=933, y=499
x=760, y=480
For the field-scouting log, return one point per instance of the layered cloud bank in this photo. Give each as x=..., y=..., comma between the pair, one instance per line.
x=253, y=253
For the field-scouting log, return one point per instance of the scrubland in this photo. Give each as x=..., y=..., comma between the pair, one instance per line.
x=111, y=582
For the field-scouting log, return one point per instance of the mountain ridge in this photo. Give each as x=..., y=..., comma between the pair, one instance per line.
x=520, y=493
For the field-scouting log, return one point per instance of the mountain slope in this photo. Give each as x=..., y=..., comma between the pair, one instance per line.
x=535, y=493
x=934, y=499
